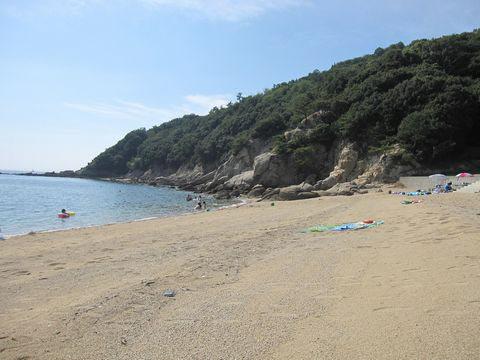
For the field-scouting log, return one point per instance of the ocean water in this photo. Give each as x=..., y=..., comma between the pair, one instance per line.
x=31, y=203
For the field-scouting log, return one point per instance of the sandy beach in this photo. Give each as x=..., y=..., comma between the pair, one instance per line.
x=251, y=285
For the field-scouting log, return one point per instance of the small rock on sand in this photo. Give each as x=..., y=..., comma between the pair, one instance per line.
x=169, y=293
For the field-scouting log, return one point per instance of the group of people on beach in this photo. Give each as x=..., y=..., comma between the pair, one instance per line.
x=201, y=204
x=438, y=189
x=443, y=188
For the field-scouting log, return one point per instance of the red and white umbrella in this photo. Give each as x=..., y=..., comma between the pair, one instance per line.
x=463, y=175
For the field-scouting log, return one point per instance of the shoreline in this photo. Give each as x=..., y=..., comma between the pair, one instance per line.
x=243, y=201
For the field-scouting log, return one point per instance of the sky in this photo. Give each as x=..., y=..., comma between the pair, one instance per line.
x=77, y=75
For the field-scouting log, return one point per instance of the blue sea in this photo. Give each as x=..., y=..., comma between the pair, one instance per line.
x=31, y=203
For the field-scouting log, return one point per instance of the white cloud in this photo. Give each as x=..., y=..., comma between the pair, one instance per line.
x=122, y=110
x=207, y=102
x=127, y=110
x=230, y=10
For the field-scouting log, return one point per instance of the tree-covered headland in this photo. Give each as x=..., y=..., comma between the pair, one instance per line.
x=424, y=96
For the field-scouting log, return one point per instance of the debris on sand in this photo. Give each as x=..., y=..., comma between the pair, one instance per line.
x=169, y=293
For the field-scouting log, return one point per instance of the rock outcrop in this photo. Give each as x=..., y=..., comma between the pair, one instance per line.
x=345, y=163
x=238, y=163
x=388, y=167
x=295, y=193
x=273, y=170
x=243, y=181
x=260, y=172
x=306, y=125
x=257, y=191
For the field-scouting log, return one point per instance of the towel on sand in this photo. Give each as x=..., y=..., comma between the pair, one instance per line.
x=344, y=227
x=408, y=202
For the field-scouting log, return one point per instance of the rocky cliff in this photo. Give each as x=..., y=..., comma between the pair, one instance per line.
x=259, y=171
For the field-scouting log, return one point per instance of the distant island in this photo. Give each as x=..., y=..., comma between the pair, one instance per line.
x=401, y=110
x=65, y=173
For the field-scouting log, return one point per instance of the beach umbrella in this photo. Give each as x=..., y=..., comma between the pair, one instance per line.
x=463, y=175
x=438, y=178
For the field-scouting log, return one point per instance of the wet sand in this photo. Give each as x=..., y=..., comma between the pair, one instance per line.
x=250, y=285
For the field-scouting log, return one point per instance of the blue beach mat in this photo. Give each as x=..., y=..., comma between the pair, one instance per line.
x=412, y=193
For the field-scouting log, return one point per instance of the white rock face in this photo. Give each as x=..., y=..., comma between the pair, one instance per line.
x=347, y=160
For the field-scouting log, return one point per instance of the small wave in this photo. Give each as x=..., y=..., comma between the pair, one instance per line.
x=147, y=218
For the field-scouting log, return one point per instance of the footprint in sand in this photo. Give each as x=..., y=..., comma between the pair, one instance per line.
x=99, y=259
x=390, y=308
x=56, y=264
x=21, y=272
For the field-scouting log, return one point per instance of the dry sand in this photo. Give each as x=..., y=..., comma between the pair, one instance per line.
x=250, y=285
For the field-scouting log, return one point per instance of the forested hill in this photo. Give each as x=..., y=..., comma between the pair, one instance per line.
x=424, y=96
